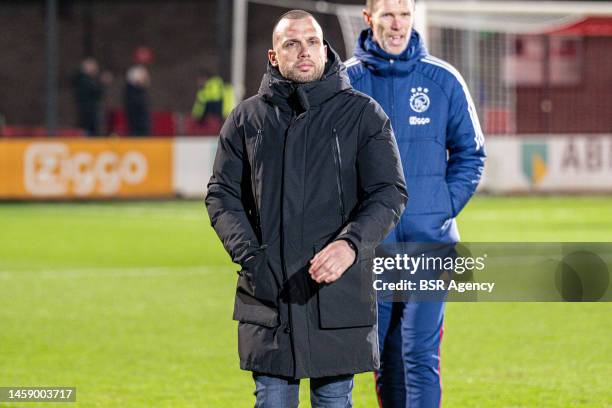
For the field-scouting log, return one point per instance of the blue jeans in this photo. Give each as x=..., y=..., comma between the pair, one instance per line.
x=409, y=336
x=281, y=392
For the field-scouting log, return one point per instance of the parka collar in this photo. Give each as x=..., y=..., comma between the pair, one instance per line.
x=371, y=54
x=287, y=94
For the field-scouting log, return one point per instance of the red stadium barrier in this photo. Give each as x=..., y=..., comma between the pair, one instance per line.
x=38, y=131
x=210, y=126
x=163, y=123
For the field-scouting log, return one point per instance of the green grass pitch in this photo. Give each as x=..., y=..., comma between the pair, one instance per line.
x=131, y=303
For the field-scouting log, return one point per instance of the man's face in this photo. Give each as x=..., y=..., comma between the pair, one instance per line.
x=391, y=23
x=298, y=51
x=90, y=67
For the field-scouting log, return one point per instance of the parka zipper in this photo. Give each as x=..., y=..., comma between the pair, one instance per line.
x=338, y=163
x=253, y=179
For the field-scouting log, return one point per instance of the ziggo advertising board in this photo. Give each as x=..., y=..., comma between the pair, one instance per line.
x=68, y=168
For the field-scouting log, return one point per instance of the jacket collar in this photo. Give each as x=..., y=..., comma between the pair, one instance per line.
x=380, y=61
x=302, y=97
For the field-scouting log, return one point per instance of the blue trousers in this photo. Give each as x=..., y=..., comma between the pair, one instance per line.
x=409, y=339
x=280, y=392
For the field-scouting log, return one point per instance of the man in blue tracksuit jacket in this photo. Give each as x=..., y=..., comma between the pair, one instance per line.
x=442, y=150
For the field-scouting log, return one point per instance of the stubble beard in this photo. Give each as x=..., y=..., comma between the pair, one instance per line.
x=295, y=75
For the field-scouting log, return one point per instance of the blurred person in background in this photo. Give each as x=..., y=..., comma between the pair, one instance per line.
x=214, y=101
x=442, y=150
x=306, y=181
x=89, y=86
x=136, y=101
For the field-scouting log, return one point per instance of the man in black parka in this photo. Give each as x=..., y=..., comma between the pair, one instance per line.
x=306, y=182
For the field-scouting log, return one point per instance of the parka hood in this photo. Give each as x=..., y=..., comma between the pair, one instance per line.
x=371, y=54
x=285, y=93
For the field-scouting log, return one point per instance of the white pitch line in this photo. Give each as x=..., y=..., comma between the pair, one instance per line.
x=112, y=272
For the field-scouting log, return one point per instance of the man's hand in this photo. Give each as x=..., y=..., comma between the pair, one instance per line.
x=331, y=262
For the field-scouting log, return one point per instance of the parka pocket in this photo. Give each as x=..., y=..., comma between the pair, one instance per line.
x=253, y=167
x=256, y=293
x=248, y=309
x=350, y=301
x=338, y=165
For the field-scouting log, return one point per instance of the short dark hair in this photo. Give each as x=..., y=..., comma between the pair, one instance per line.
x=291, y=15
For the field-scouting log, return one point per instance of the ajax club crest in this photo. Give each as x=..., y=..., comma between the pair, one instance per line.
x=419, y=100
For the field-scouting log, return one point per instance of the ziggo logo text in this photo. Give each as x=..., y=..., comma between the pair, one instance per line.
x=52, y=169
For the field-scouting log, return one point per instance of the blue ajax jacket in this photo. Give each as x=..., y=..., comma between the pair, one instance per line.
x=437, y=130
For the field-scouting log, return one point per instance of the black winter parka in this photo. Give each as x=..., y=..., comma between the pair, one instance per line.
x=297, y=167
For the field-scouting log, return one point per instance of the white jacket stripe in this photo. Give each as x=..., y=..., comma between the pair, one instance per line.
x=479, y=136
x=351, y=61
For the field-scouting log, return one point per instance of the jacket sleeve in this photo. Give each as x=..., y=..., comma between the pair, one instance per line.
x=224, y=199
x=382, y=187
x=465, y=144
